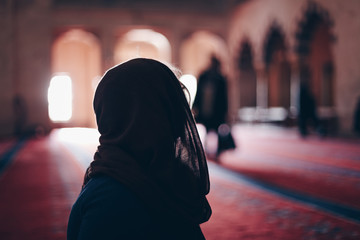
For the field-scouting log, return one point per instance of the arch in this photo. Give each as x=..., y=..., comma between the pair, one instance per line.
x=314, y=40
x=77, y=53
x=196, y=51
x=142, y=43
x=277, y=69
x=247, y=76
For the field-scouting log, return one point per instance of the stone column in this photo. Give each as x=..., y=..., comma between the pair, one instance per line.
x=261, y=86
x=7, y=66
x=32, y=59
x=294, y=87
x=107, y=40
x=175, y=40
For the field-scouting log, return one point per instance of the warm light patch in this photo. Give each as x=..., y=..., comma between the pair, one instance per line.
x=60, y=98
x=144, y=43
x=190, y=83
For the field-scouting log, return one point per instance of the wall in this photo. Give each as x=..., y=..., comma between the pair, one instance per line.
x=347, y=57
x=32, y=60
x=30, y=27
x=6, y=68
x=253, y=19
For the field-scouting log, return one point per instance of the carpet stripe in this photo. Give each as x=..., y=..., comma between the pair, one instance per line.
x=340, y=210
x=294, y=163
x=9, y=155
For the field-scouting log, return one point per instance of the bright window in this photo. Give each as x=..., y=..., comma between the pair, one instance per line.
x=60, y=98
x=190, y=83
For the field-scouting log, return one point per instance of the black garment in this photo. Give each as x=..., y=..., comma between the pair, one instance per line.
x=20, y=117
x=107, y=210
x=211, y=103
x=307, y=114
x=356, y=121
x=225, y=139
x=149, y=143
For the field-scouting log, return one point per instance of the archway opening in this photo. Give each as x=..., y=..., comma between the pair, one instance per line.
x=77, y=53
x=315, y=56
x=322, y=67
x=197, y=49
x=144, y=43
x=277, y=70
x=247, y=77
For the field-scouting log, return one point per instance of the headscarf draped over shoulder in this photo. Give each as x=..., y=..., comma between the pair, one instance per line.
x=149, y=141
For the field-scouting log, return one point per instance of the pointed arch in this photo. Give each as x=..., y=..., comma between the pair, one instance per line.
x=196, y=51
x=143, y=42
x=314, y=48
x=277, y=68
x=77, y=53
x=247, y=76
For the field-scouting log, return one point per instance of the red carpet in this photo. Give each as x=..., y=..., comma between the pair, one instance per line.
x=33, y=202
x=324, y=168
x=43, y=180
x=242, y=212
x=5, y=144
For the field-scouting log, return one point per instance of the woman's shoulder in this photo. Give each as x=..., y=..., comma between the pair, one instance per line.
x=104, y=195
x=106, y=209
x=103, y=187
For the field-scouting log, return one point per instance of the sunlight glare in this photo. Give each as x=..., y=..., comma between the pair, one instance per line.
x=190, y=83
x=60, y=98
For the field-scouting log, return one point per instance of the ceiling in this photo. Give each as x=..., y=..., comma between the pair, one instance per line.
x=171, y=5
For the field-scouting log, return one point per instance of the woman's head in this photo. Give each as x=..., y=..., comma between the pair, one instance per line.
x=138, y=105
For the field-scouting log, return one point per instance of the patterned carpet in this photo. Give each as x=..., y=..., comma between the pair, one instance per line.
x=274, y=186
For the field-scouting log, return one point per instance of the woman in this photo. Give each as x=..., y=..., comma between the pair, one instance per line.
x=149, y=177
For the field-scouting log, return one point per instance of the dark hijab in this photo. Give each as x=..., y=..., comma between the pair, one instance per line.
x=149, y=141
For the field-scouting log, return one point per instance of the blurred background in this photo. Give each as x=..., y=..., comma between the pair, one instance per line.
x=265, y=47
x=54, y=52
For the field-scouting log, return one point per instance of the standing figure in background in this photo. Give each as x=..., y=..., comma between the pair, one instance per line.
x=211, y=105
x=357, y=118
x=20, y=116
x=307, y=113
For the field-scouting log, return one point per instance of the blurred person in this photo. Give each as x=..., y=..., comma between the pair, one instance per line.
x=211, y=105
x=356, y=123
x=149, y=177
x=20, y=116
x=307, y=113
